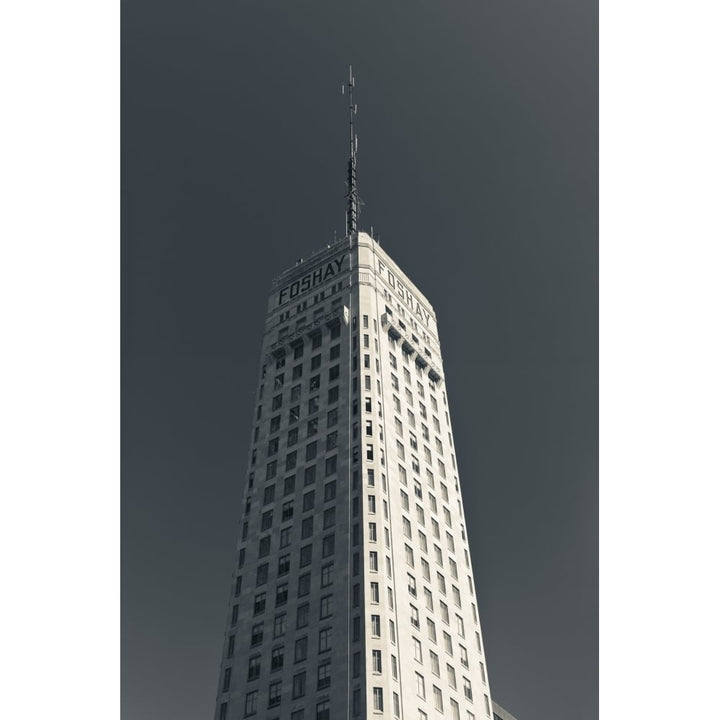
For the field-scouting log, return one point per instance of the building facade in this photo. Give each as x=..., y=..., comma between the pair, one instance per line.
x=353, y=594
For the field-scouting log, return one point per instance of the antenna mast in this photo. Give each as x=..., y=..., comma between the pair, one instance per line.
x=353, y=207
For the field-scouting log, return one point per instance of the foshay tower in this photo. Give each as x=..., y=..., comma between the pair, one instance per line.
x=353, y=594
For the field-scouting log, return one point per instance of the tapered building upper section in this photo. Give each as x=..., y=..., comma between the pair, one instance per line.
x=353, y=594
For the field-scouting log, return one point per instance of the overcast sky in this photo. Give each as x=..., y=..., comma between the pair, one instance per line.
x=478, y=141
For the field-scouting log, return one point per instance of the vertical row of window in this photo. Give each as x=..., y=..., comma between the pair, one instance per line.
x=289, y=510
x=415, y=444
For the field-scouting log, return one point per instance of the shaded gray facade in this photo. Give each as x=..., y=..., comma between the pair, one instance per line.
x=353, y=594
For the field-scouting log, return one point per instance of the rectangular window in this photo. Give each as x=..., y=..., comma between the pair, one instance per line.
x=324, y=640
x=301, y=649
x=437, y=698
x=303, y=615
x=451, y=676
x=378, y=699
x=309, y=475
x=279, y=625
x=226, y=679
x=251, y=703
x=323, y=675
x=259, y=605
x=298, y=685
x=274, y=694
x=277, y=658
x=256, y=636
x=281, y=594
x=420, y=685
x=304, y=585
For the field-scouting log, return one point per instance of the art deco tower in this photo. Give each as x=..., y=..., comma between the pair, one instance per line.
x=353, y=594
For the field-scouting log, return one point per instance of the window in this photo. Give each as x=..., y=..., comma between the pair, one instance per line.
x=326, y=606
x=407, y=528
x=412, y=589
x=277, y=402
x=274, y=694
x=444, y=612
x=329, y=518
x=289, y=486
x=231, y=646
x=323, y=710
x=454, y=710
x=323, y=675
x=409, y=556
x=301, y=649
x=378, y=699
x=437, y=698
x=376, y=661
x=303, y=585
x=303, y=616
x=308, y=501
x=256, y=636
x=251, y=703
x=403, y=474
x=414, y=616
x=375, y=625
x=283, y=565
x=306, y=529
x=418, y=649
x=447, y=640
x=435, y=663
x=467, y=688
x=423, y=541
x=309, y=475
x=428, y=599
x=324, y=639
x=420, y=685
x=295, y=393
x=298, y=685
x=305, y=554
x=372, y=532
x=328, y=545
x=373, y=561
x=271, y=470
x=226, y=679
x=330, y=489
x=287, y=510
x=326, y=575
x=277, y=658
x=312, y=427
x=279, y=625
x=371, y=504
x=259, y=605
x=464, y=660
x=266, y=520
x=281, y=594
x=451, y=675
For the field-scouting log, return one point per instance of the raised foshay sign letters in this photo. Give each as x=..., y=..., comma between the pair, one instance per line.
x=319, y=275
x=417, y=308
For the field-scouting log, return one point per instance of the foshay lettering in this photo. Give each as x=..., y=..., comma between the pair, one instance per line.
x=317, y=276
x=404, y=294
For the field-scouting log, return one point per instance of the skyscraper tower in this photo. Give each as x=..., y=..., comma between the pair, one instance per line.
x=353, y=595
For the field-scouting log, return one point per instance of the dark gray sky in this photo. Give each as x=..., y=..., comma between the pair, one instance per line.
x=478, y=143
